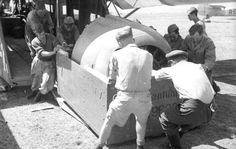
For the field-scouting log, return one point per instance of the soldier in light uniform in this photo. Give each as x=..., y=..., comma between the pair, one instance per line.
x=130, y=71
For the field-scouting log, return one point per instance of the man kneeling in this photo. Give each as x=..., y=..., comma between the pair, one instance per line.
x=195, y=92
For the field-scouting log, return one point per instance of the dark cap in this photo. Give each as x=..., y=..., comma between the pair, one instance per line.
x=68, y=20
x=172, y=28
x=175, y=53
x=124, y=32
x=191, y=10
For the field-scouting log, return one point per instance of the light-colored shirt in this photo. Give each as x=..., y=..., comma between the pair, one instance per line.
x=131, y=67
x=189, y=79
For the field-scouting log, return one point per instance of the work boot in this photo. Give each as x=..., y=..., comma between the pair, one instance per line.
x=32, y=94
x=140, y=147
x=38, y=97
x=174, y=141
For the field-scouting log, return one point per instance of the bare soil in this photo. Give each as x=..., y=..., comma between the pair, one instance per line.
x=55, y=129
x=29, y=127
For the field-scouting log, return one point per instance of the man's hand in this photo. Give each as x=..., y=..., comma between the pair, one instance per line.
x=71, y=45
x=205, y=68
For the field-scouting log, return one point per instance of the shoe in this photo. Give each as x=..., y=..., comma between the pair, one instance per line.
x=140, y=147
x=32, y=95
x=37, y=98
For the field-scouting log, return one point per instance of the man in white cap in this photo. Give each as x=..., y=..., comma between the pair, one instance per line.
x=193, y=16
x=195, y=92
x=130, y=71
x=68, y=33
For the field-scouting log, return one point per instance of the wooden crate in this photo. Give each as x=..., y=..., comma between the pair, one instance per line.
x=89, y=94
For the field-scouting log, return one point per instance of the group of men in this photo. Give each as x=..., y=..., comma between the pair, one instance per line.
x=43, y=46
x=131, y=72
x=200, y=47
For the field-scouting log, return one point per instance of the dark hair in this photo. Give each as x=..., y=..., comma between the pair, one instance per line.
x=196, y=28
x=194, y=12
x=177, y=31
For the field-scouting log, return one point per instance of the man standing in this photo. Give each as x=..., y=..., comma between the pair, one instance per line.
x=193, y=16
x=43, y=67
x=39, y=15
x=201, y=50
x=130, y=71
x=195, y=92
x=173, y=38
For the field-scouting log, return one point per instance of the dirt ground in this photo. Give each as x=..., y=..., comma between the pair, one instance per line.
x=27, y=128
x=52, y=128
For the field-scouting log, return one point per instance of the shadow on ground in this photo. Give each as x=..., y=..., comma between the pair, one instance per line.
x=17, y=96
x=221, y=127
x=6, y=136
x=225, y=71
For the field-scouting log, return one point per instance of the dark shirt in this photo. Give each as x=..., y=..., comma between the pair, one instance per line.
x=174, y=44
x=202, y=52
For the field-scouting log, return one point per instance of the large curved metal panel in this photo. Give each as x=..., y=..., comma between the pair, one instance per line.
x=108, y=45
x=103, y=25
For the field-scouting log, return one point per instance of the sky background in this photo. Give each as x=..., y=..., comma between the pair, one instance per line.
x=169, y=9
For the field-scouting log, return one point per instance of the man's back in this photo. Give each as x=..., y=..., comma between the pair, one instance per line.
x=134, y=68
x=191, y=81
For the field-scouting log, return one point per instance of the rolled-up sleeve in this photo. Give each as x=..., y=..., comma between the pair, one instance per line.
x=161, y=74
x=36, y=46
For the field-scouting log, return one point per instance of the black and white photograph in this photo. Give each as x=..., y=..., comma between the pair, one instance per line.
x=117, y=74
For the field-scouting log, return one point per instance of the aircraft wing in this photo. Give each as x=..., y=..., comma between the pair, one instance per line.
x=128, y=4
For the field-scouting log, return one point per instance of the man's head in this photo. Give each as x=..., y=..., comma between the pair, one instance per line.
x=175, y=56
x=125, y=36
x=192, y=13
x=38, y=4
x=173, y=31
x=196, y=32
x=68, y=23
x=39, y=31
